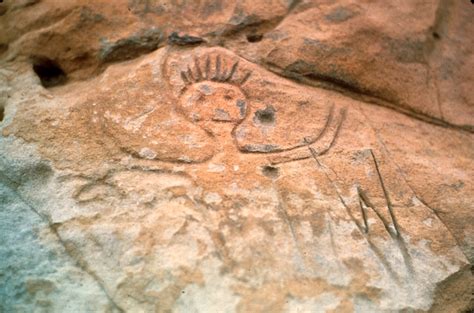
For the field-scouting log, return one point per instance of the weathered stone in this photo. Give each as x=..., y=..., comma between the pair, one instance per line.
x=271, y=156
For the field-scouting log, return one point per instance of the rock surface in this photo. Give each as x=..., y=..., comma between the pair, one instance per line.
x=236, y=156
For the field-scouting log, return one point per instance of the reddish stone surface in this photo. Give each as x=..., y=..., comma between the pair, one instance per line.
x=236, y=156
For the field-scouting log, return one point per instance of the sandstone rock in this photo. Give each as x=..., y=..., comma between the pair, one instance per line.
x=236, y=156
x=394, y=52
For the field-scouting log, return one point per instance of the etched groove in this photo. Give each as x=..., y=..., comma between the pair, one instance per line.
x=288, y=159
x=73, y=255
x=198, y=69
x=232, y=71
x=373, y=248
x=284, y=212
x=336, y=133
x=218, y=68
x=246, y=77
x=386, y=195
x=363, y=197
x=400, y=239
x=435, y=211
x=185, y=78
x=327, y=137
x=362, y=206
x=208, y=67
x=190, y=74
x=326, y=125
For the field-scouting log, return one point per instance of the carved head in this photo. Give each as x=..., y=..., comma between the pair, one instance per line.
x=212, y=92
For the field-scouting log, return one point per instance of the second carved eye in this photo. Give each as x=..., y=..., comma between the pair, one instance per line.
x=212, y=92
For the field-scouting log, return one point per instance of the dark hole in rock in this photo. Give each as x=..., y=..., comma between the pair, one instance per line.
x=270, y=171
x=2, y=113
x=254, y=37
x=49, y=72
x=436, y=35
x=266, y=116
x=3, y=47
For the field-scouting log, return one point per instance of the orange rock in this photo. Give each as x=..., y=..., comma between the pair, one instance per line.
x=235, y=156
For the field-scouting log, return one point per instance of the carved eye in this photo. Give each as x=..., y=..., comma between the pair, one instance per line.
x=213, y=92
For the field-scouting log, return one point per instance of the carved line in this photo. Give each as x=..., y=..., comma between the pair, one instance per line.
x=198, y=68
x=220, y=72
x=336, y=134
x=326, y=126
x=387, y=198
x=332, y=128
x=363, y=206
x=208, y=67
x=72, y=252
x=304, y=144
x=365, y=201
x=232, y=71
x=435, y=211
x=284, y=212
x=374, y=249
x=400, y=240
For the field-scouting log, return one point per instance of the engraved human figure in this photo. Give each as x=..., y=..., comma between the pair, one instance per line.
x=213, y=98
x=327, y=198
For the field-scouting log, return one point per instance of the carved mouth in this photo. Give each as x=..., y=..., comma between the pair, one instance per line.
x=221, y=115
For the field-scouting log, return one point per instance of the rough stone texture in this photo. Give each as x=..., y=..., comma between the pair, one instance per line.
x=236, y=156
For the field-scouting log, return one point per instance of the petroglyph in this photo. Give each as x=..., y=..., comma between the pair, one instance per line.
x=222, y=116
x=222, y=108
x=317, y=145
x=236, y=156
x=212, y=92
x=209, y=90
x=201, y=148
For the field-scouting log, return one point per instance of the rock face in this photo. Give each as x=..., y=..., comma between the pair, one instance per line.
x=236, y=156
